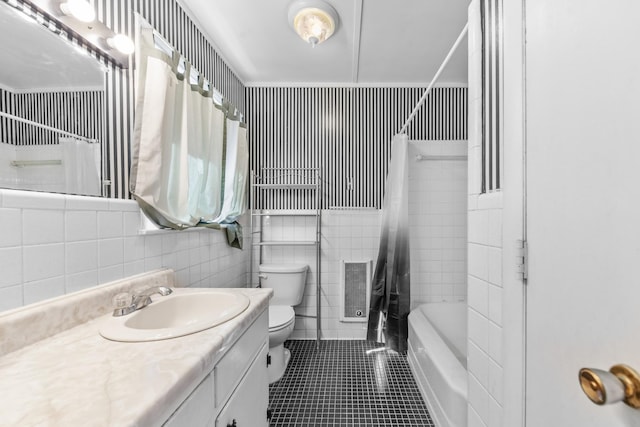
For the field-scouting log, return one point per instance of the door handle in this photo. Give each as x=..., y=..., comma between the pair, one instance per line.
x=620, y=384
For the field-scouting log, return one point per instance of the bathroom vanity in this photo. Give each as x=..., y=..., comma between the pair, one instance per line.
x=56, y=368
x=235, y=392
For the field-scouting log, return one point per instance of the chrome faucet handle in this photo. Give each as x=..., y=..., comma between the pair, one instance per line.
x=123, y=304
x=126, y=303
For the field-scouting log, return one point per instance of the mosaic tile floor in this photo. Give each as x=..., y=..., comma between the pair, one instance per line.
x=342, y=385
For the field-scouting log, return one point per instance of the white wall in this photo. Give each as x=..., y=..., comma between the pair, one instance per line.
x=438, y=222
x=513, y=290
x=52, y=244
x=350, y=235
x=485, y=355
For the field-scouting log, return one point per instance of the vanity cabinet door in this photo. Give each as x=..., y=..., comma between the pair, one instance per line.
x=198, y=409
x=247, y=406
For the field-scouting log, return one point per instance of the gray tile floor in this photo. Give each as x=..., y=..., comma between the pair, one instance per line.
x=342, y=385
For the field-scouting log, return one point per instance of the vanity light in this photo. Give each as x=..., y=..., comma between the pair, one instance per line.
x=122, y=43
x=314, y=20
x=79, y=9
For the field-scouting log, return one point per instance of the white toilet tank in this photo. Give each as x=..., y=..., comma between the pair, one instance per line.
x=286, y=280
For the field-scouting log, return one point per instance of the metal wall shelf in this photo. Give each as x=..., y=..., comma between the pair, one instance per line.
x=287, y=186
x=287, y=181
x=286, y=243
x=281, y=213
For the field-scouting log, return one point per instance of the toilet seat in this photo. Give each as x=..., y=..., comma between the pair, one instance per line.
x=280, y=316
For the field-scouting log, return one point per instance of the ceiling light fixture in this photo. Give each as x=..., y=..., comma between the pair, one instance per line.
x=314, y=20
x=79, y=9
x=122, y=43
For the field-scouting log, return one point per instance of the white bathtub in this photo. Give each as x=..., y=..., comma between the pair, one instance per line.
x=438, y=358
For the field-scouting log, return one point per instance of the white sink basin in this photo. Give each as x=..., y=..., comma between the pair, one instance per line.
x=184, y=312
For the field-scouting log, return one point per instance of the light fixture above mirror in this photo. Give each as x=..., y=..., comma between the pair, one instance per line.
x=82, y=10
x=122, y=43
x=313, y=20
x=77, y=20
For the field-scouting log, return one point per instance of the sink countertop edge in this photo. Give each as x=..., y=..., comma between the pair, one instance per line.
x=48, y=381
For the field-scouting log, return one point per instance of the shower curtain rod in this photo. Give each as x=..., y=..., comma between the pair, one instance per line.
x=46, y=127
x=435, y=78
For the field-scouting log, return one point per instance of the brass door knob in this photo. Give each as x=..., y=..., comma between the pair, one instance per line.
x=620, y=384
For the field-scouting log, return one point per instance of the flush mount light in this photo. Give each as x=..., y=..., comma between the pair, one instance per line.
x=122, y=43
x=314, y=20
x=79, y=9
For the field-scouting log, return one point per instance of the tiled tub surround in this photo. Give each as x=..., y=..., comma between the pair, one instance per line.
x=77, y=378
x=438, y=222
x=486, y=358
x=54, y=244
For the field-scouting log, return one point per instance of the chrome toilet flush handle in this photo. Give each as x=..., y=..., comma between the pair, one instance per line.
x=620, y=384
x=263, y=276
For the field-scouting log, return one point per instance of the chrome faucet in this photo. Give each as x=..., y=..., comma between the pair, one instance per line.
x=126, y=304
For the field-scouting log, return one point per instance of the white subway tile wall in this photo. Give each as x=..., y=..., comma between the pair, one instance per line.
x=350, y=235
x=53, y=244
x=485, y=356
x=438, y=222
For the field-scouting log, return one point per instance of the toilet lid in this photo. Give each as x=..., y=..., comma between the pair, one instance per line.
x=280, y=315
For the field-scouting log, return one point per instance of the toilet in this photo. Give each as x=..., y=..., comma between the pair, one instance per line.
x=288, y=282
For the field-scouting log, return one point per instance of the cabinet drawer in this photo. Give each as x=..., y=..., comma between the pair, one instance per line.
x=236, y=361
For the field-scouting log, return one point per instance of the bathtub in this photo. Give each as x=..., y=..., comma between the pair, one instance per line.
x=437, y=356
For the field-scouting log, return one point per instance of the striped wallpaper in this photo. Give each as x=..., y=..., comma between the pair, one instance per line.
x=491, y=12
x=346, y=132
x=78, y=112
x=173, y=23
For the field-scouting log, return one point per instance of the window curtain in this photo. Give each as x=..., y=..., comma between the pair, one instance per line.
x=390, y=287
x=179, y=173
x=236, y=179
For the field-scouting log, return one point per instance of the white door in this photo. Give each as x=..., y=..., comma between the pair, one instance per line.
x=583, y=204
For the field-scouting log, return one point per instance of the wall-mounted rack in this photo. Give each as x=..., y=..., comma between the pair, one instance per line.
x=288, y=181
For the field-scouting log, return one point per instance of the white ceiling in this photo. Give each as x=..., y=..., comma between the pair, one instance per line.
x=34, y=59
x=378, y=42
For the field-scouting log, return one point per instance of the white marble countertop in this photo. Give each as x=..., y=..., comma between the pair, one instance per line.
x=79, y=378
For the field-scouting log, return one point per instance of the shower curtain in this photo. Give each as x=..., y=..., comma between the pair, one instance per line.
x=390, y=287
x=179, y=175
x=81, y=164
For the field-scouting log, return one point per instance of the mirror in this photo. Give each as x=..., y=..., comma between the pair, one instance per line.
x=51, y=110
